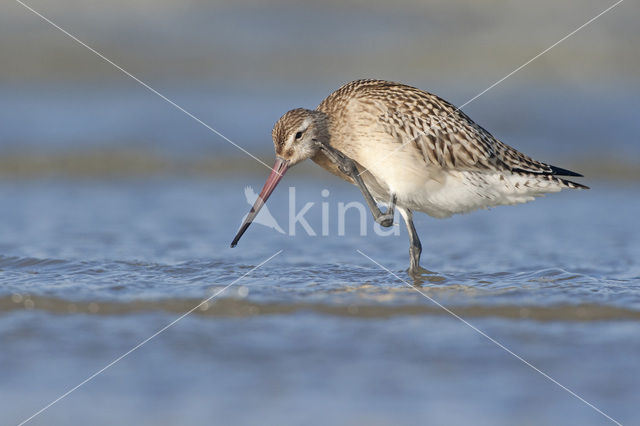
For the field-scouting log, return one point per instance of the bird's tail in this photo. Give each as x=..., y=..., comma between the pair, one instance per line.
x=571, y=184
x=559, y=171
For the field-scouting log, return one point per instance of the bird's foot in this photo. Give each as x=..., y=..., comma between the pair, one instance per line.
x=385, y=220
x=421, y=275
x=348, y=167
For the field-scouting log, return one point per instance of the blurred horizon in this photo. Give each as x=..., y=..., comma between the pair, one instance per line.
x=239, y=65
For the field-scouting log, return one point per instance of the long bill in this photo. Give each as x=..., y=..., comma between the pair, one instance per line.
x=278, y=171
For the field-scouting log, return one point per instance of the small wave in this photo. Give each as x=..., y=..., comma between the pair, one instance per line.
x=238, y=307
x=25, y=262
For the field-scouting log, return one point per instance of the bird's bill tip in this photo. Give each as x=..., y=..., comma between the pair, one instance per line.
x=277, y=172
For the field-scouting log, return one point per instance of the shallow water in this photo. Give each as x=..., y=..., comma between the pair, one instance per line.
x=320, y=333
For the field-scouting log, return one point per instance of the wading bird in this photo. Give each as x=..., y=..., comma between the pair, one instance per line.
x=410, y=150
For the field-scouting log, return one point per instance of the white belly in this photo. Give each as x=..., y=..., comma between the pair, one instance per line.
x=441, y=193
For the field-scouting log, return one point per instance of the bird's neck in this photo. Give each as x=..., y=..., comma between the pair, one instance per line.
x=322, y=124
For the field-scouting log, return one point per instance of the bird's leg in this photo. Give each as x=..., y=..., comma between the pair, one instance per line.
x=347, y=166
x=415, y=249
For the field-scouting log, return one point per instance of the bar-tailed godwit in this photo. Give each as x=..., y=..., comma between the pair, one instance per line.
x=410, y=150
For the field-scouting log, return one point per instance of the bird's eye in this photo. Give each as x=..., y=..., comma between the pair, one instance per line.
x=298, y=135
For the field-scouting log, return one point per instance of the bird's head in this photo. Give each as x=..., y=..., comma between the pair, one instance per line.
x=297, y=136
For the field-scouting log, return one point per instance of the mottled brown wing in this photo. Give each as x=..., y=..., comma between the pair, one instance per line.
x=450, y=139
x=445, y=135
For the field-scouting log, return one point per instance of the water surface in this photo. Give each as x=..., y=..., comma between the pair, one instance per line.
x=319, y=333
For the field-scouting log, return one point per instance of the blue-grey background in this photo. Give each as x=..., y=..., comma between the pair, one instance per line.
x=116, y=211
